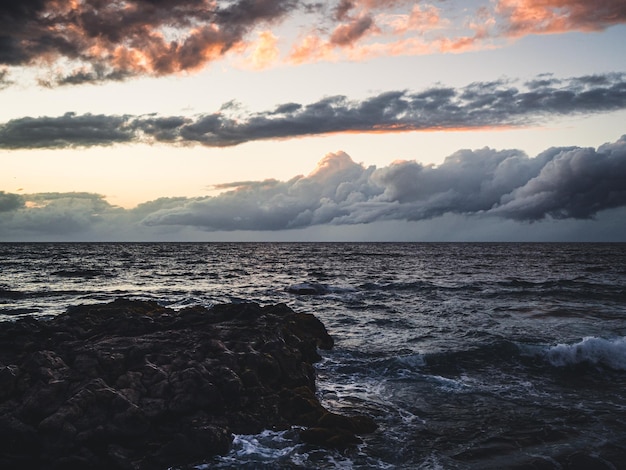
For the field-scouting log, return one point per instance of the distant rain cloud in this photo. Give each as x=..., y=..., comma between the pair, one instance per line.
x=560, y=183
x=10, y=202
x=479, y=105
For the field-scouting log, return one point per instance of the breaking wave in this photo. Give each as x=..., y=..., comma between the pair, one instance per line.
x=609, y=353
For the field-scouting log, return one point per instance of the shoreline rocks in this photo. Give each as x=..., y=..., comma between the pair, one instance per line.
x=134, y=385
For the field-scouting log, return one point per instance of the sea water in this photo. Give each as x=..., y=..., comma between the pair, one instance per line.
x=468, y=356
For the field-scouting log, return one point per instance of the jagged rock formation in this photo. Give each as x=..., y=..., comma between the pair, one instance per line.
x=133, y=385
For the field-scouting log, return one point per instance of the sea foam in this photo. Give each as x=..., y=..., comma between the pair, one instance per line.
x=599, y=351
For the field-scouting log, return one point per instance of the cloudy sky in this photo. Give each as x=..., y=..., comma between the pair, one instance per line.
x=454, y=120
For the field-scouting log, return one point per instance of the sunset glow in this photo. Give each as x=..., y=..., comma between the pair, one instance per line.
x=146, y=109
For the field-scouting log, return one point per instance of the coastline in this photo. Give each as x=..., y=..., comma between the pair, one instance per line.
x=134, y=385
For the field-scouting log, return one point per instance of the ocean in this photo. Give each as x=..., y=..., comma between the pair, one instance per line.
x=467, y=355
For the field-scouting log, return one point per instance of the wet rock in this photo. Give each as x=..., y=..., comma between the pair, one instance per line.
x=337, y=438
x=133, y=385
x=8, y=379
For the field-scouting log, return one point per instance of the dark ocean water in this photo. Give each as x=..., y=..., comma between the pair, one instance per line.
x=468, y=356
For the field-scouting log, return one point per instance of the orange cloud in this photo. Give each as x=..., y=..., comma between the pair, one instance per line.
x=408, y=46
x=265, y=51
x=557, y=16
x=311, y=49
x=419, y=19
x=314, y=49
x=509, y=19
x=396, y=34
x=77, y=41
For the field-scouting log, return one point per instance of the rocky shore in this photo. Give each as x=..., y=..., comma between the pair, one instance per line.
x=133, y=385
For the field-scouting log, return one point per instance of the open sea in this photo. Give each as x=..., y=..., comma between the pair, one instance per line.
x=467, y=355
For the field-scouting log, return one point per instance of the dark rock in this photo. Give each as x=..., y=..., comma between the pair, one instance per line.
x=355, y=424
x=8, y=379
x=133, y=385
x=337, y=438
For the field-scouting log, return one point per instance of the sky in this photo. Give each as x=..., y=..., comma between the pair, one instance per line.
x=295, y=120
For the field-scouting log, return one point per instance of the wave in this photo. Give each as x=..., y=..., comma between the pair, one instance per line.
x=315, y=288
x=591, y=350
x=409, y=363
x=270, y=450
x=265, y=450
x=399, y=286
x=83, y=273
x=306, y=288
x=494, y=352
x=18, y=311
x=10, y=294
x=577, y=288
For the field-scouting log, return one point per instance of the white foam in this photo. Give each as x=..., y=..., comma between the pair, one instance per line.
x=414, y=361
x=263, y=448
x=448, y=384
x=431, y=462
x=610, y=353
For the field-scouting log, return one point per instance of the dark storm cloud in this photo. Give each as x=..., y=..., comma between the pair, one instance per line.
x=560, y=183
x=98, y=73
x=492, y=104
x=500, y=189
x=479, y=105
x=10, y=202
x=68, y=130
x=574, y=183
x=115, y=40
x=56, y=213
x=272, y=205
x=245, y=13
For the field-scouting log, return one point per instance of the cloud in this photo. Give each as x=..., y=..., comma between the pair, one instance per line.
x=404, y=28
x=523, y=17
x=357, y=22
x=4, y=78
x=420, y=18
x=274, y=205
x=482, y=104
x=490, y=191
x=54, y=213
x=72, y=42
x=115, y=40
x=574, y=183
x=348, y=33
x=10, y=202
x=312, y=49
x=69, y=130
x=560, y=183
x=265, y=52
